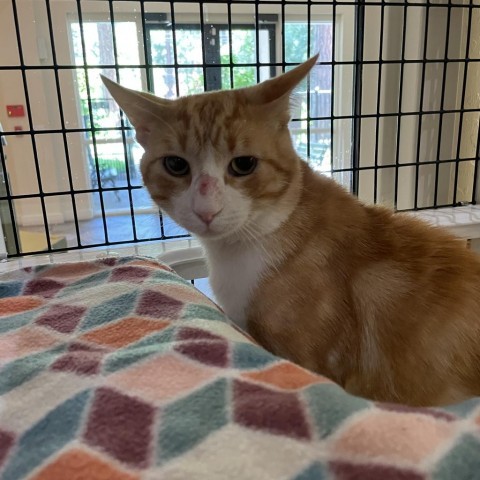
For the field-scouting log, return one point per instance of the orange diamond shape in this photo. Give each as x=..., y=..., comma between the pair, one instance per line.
x=286, y=375
x=12, y=305
x=80, y=463
x=125, y=331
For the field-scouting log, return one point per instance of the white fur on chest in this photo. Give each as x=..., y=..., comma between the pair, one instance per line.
x=234, y=275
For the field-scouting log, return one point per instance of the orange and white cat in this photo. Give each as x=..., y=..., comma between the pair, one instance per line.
x=382, y=303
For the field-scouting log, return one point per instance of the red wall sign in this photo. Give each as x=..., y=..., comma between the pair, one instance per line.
x=15, y=111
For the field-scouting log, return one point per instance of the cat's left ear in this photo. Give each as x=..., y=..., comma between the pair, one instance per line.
x=143, y=109
x=279, y=89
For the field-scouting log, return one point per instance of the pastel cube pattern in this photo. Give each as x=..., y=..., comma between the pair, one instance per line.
x=120, y=369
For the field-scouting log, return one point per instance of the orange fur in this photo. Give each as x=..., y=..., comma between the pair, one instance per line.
x=382, y=303
x=385, y=305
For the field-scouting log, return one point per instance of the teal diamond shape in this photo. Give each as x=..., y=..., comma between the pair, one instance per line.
x=314, y=472
x=10, y=289
x=158, y=342
x=463, y=409
x=21, y=319
x=330, y=405
x=19, y=371
x=110, y=310
x=164, y=276
x=462, y=462
x=188, y=421
x=202, y=312
x=48, y=436
x=247, y=356
x=90, y=281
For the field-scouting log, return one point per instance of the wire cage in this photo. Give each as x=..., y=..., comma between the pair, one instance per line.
x=391, y=111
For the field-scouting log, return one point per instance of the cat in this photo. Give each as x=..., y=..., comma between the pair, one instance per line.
x=383, y=304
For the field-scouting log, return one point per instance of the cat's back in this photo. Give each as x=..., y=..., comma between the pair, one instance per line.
x=373, y=297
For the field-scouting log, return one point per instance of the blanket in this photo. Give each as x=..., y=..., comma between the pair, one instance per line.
x=120, y=369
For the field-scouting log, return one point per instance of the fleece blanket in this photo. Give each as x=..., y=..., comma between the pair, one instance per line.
x=120, y=369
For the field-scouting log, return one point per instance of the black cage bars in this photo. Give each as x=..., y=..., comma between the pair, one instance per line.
x=391, y=111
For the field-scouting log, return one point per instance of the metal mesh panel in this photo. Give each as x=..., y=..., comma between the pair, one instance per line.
x=391, y=111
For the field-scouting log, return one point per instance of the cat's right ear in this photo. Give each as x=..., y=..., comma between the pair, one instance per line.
x=142, y=109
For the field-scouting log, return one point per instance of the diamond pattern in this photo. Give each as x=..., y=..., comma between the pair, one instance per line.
x=354, y=471
x=110, y=310
x=313, y=472
x=162, y=378
x=135, y=353
x=11, y=305
x=461, y=461
x=188, y=421
x=80, y=463
x=267, y=410
x=158, y=305
x=124, y=332
x=120, y=369
x=15, y=373
x=393, y=436
x=62, y=318
x=7, y=440
x=284, y=375
x=80, y=359
x=43, y=287
x=25, y=341
x=329, y=407
x=211, y=353
x=53, y=432
x=129, y=274
x=121, y=426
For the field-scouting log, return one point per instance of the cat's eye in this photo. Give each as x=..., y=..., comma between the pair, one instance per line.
x=241, y=166
x=176, y=166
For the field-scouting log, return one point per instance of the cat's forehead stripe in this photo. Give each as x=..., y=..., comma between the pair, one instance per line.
x=208, y=119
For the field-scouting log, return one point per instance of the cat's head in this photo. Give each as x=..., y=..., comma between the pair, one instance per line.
x=221, y=164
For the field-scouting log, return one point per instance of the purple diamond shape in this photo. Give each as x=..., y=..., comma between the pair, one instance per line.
x=260, y=408
x=211, y=353
x=129, y=274
x=121, y=426
x=63, y=318
x=80, y=362
x=7, y=440
x=156, y=304
x=349, y=471
x=42, y=287
x=189, y=333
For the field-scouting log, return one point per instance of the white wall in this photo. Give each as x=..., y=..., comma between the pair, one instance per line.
x=388, y=127
x=42, y=92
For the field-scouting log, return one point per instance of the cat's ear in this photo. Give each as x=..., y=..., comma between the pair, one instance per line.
x=142, y=109
x=281, y=87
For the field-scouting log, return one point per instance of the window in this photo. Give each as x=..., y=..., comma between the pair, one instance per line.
x=391, y=111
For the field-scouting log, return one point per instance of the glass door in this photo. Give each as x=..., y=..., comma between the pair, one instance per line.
x=113, y=161
x=190, y=53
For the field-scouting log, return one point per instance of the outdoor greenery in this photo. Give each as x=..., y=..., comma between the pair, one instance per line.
x=241, y=50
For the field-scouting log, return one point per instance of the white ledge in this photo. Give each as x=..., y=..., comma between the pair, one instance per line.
x=464, y=222
x=187, y=258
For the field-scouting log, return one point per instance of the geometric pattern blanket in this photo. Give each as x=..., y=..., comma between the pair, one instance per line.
x=119, y=369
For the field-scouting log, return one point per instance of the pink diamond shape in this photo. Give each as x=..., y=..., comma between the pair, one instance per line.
x=162, y=378
x=393, y=436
